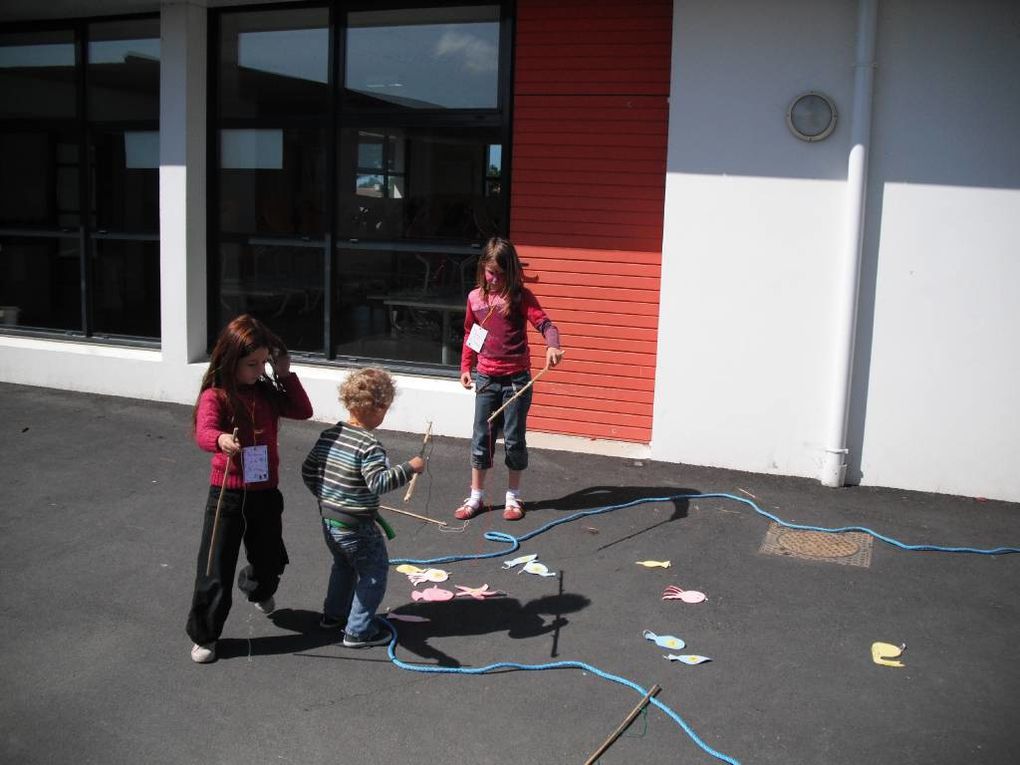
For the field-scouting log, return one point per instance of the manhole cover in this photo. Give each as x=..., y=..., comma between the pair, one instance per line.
x=850, y=548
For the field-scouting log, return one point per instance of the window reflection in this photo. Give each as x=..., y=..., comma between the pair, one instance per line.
x=424, y=58
x=124, y=70
x=126, y=288
x=40, y=281
x=272, y=182
x=402, y=305
x=37, y=75
x=278, y=283
x=436, y=184
x=274, y=63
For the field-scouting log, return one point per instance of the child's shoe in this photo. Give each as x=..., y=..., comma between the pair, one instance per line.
x=203, y=654
x=513, y=511
x=468, y=509
x=266, y=606
x=328, y=622
x=381, y=636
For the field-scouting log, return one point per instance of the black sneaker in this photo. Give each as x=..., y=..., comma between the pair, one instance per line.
x=328, y=622
x=381, y=636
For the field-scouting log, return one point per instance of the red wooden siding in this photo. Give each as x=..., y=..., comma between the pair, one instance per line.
x=591, y=89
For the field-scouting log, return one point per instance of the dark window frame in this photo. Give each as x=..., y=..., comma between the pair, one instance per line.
x=338, y=115
x=87, y=235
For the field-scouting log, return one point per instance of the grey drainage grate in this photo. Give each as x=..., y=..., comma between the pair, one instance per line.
x=849, y=548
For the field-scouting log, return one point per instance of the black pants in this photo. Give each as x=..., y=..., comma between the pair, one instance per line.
x=256, y=518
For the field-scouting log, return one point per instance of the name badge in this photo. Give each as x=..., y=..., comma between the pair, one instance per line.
x=256, y=463
x=477, y=337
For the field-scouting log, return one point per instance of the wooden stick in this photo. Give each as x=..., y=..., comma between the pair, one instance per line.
x=510, y=400
x=414, y=478
x=216, y=518
x=623, y=726
x=413, y=515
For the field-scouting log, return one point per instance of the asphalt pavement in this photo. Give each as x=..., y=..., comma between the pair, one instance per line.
x=101, y=516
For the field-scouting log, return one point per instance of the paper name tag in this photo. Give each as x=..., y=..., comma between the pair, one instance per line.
x=477, y=337
x=256, y=463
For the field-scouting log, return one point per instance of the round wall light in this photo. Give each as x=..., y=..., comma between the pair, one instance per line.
x=811, y=116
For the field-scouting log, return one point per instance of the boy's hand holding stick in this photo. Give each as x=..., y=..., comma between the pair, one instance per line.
x=421, y=453
x=216, y=518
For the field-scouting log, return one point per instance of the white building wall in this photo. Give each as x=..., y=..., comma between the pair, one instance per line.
x=753, y=227
x=942, y=379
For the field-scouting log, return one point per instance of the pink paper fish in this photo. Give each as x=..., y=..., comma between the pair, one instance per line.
x=432, y=594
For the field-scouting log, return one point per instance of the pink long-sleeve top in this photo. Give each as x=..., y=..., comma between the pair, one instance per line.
x=257, y=424
x=505, y=350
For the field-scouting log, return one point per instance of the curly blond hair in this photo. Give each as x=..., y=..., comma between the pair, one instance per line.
x=369, y=388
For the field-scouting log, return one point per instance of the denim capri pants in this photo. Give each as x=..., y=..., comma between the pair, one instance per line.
x=490, y=394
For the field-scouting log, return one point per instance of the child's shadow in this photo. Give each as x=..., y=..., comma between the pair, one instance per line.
x=466, y=616
x=596, y=497
x=307, y=634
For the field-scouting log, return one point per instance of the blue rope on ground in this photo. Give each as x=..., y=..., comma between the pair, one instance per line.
x=431, y=669
x=514, y=544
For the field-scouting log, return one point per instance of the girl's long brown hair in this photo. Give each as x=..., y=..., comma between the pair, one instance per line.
x=501, y=256
x=241, y=337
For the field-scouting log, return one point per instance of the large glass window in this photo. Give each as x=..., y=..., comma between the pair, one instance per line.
x=352, y=201
x=79, y=202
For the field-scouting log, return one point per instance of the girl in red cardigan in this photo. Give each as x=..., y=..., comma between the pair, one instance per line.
x=495, y=336
x=236, y=394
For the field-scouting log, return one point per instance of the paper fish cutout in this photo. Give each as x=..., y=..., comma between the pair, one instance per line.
x=534, y=567
x=518, y=561
x=478, y=593
x=407, y=618
x=664, y=641
x=432, y=594
x=687, y=596
x=885, y=654
x=429, y=575
x=687, y=658
x=407, y=568
x=654, y=563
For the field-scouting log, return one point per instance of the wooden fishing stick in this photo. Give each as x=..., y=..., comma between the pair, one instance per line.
x=216, y=518
x=414, y=478
x=623, y=726
x=510, y=400
x=413, y=515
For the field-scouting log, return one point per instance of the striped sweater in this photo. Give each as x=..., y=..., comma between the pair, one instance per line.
x=347, y=470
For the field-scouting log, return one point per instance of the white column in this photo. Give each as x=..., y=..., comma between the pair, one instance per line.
x=182, y=183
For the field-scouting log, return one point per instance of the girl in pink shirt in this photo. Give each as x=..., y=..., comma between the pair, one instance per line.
x=496, y=344
x=236, y=418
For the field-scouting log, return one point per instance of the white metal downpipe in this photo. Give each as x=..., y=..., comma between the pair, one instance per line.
x=834, y=461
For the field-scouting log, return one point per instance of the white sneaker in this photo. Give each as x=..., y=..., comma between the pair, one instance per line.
x=203, y=654
x=266, y=606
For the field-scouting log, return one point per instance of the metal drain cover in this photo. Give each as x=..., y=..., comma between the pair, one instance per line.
x=849, y=548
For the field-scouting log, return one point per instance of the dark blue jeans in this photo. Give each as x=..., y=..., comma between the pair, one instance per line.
x=490, y=394
x=357, y=580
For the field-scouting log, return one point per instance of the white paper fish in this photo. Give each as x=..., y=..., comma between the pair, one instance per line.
x=664, y=641
x=687, y=596
x=687, y=658
x=429, y=575
x=518, y=561
x=534, y=567
x=653, y=563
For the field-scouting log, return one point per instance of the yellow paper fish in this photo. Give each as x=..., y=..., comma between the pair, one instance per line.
x=654, y=563
x=885, y=654
x=407, y=568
